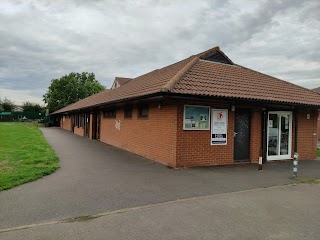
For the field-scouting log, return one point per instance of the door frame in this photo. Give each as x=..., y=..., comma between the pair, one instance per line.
x=280, y=157
x=98, y=126
x=87, y=125
x=246, y=110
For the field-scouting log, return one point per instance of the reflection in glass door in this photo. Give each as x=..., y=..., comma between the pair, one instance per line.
x=279, y=135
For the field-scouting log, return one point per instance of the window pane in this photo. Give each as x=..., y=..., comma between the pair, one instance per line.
x=284, y=141
x=273, y=138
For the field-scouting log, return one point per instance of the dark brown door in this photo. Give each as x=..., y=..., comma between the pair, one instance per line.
x=87, y=124
x=242, y=135
x=98, y=126
x=94, y=126
x=72, y=124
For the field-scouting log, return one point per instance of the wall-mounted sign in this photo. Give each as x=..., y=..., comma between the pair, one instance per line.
x=196, y=117
x=219, y=126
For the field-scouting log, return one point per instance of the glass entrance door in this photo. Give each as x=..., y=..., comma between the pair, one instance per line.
x=279, y=135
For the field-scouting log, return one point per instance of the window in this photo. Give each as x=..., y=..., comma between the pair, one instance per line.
x=217, y=57
x=128, y=111
x=77, y=120
x=82, y=120
x=110, y=113
x=144, y=110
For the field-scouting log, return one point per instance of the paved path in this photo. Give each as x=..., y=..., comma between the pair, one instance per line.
x=95, y=177
x=286, y=212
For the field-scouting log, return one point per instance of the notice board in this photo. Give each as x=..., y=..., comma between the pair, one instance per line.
x=196, y=117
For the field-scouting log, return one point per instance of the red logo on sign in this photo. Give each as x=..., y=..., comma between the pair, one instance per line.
x=219, y=116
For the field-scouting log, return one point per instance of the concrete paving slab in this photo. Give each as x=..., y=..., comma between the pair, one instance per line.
x=286, y=212
x=95, y=177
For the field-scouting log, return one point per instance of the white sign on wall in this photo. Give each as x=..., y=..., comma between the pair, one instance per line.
x=219, y=126
x=118, y=124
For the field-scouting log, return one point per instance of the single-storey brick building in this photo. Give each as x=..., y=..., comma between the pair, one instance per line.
x=202, y=111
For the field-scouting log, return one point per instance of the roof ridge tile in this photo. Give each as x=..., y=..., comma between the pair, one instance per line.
x=171, y=83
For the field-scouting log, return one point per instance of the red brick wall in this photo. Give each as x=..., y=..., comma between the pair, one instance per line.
x=319, y=126
x=161, y=136
x=307, y=138
x=153, y=137
x=66, y=124
x=255, y=135
x=194, y=148
x=79, y=131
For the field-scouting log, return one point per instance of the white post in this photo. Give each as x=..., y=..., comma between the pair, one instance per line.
x=260, y=163
x=295, y=165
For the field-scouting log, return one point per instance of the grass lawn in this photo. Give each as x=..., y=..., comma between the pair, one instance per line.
x=25, y=155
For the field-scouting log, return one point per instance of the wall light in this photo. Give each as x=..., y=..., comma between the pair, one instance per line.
x=233, y=108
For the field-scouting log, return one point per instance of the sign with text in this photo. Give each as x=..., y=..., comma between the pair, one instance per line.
x=219, y=126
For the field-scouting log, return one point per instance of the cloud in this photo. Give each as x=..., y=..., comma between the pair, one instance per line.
x=20, y=96
x=43, y=40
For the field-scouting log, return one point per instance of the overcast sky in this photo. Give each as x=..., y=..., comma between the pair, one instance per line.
x=43, y=40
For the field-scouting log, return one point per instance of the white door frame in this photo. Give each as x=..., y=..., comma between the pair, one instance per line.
x=281, y=157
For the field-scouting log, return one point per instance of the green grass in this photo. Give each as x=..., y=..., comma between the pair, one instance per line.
x=318, y=152
x=25, y=155
x=309, y=180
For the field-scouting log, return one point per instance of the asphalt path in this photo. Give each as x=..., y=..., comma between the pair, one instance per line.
x=95, y=177
x=290, y=212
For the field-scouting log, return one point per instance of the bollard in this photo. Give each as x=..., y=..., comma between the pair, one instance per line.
x=295, y=165
x=260, y=163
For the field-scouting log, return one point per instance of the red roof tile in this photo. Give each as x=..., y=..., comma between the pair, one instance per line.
x=316, y=90
x=149, y=83
x=233, y=81
x=122, y=80
x=205, y=78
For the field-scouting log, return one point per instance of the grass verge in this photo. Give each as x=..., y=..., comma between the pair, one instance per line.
x=318, y=152
x=309, y=180
x=25, y=155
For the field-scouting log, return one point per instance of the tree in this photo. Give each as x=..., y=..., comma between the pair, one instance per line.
x=31, y=107
x=7, y=104
x=71, y=88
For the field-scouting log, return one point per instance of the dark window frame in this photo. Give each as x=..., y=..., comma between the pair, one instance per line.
x=143, y=111
x=127, y=111
x=77, y=121
x=82, y=120
x=110, y=113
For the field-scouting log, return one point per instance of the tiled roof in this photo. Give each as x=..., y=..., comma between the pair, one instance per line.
x=196, y=76
x=122, y=80
x=316, y=90
x=149, y=83
x=233, y=81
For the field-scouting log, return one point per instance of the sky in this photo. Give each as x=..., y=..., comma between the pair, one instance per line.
x=44, y=40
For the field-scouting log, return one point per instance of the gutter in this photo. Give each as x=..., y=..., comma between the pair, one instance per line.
x=165, y=94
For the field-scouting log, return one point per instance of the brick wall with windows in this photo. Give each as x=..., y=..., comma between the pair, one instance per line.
x=156, y=132
x=150, y=133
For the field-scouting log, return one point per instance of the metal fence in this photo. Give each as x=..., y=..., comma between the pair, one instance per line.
x=27, y=116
